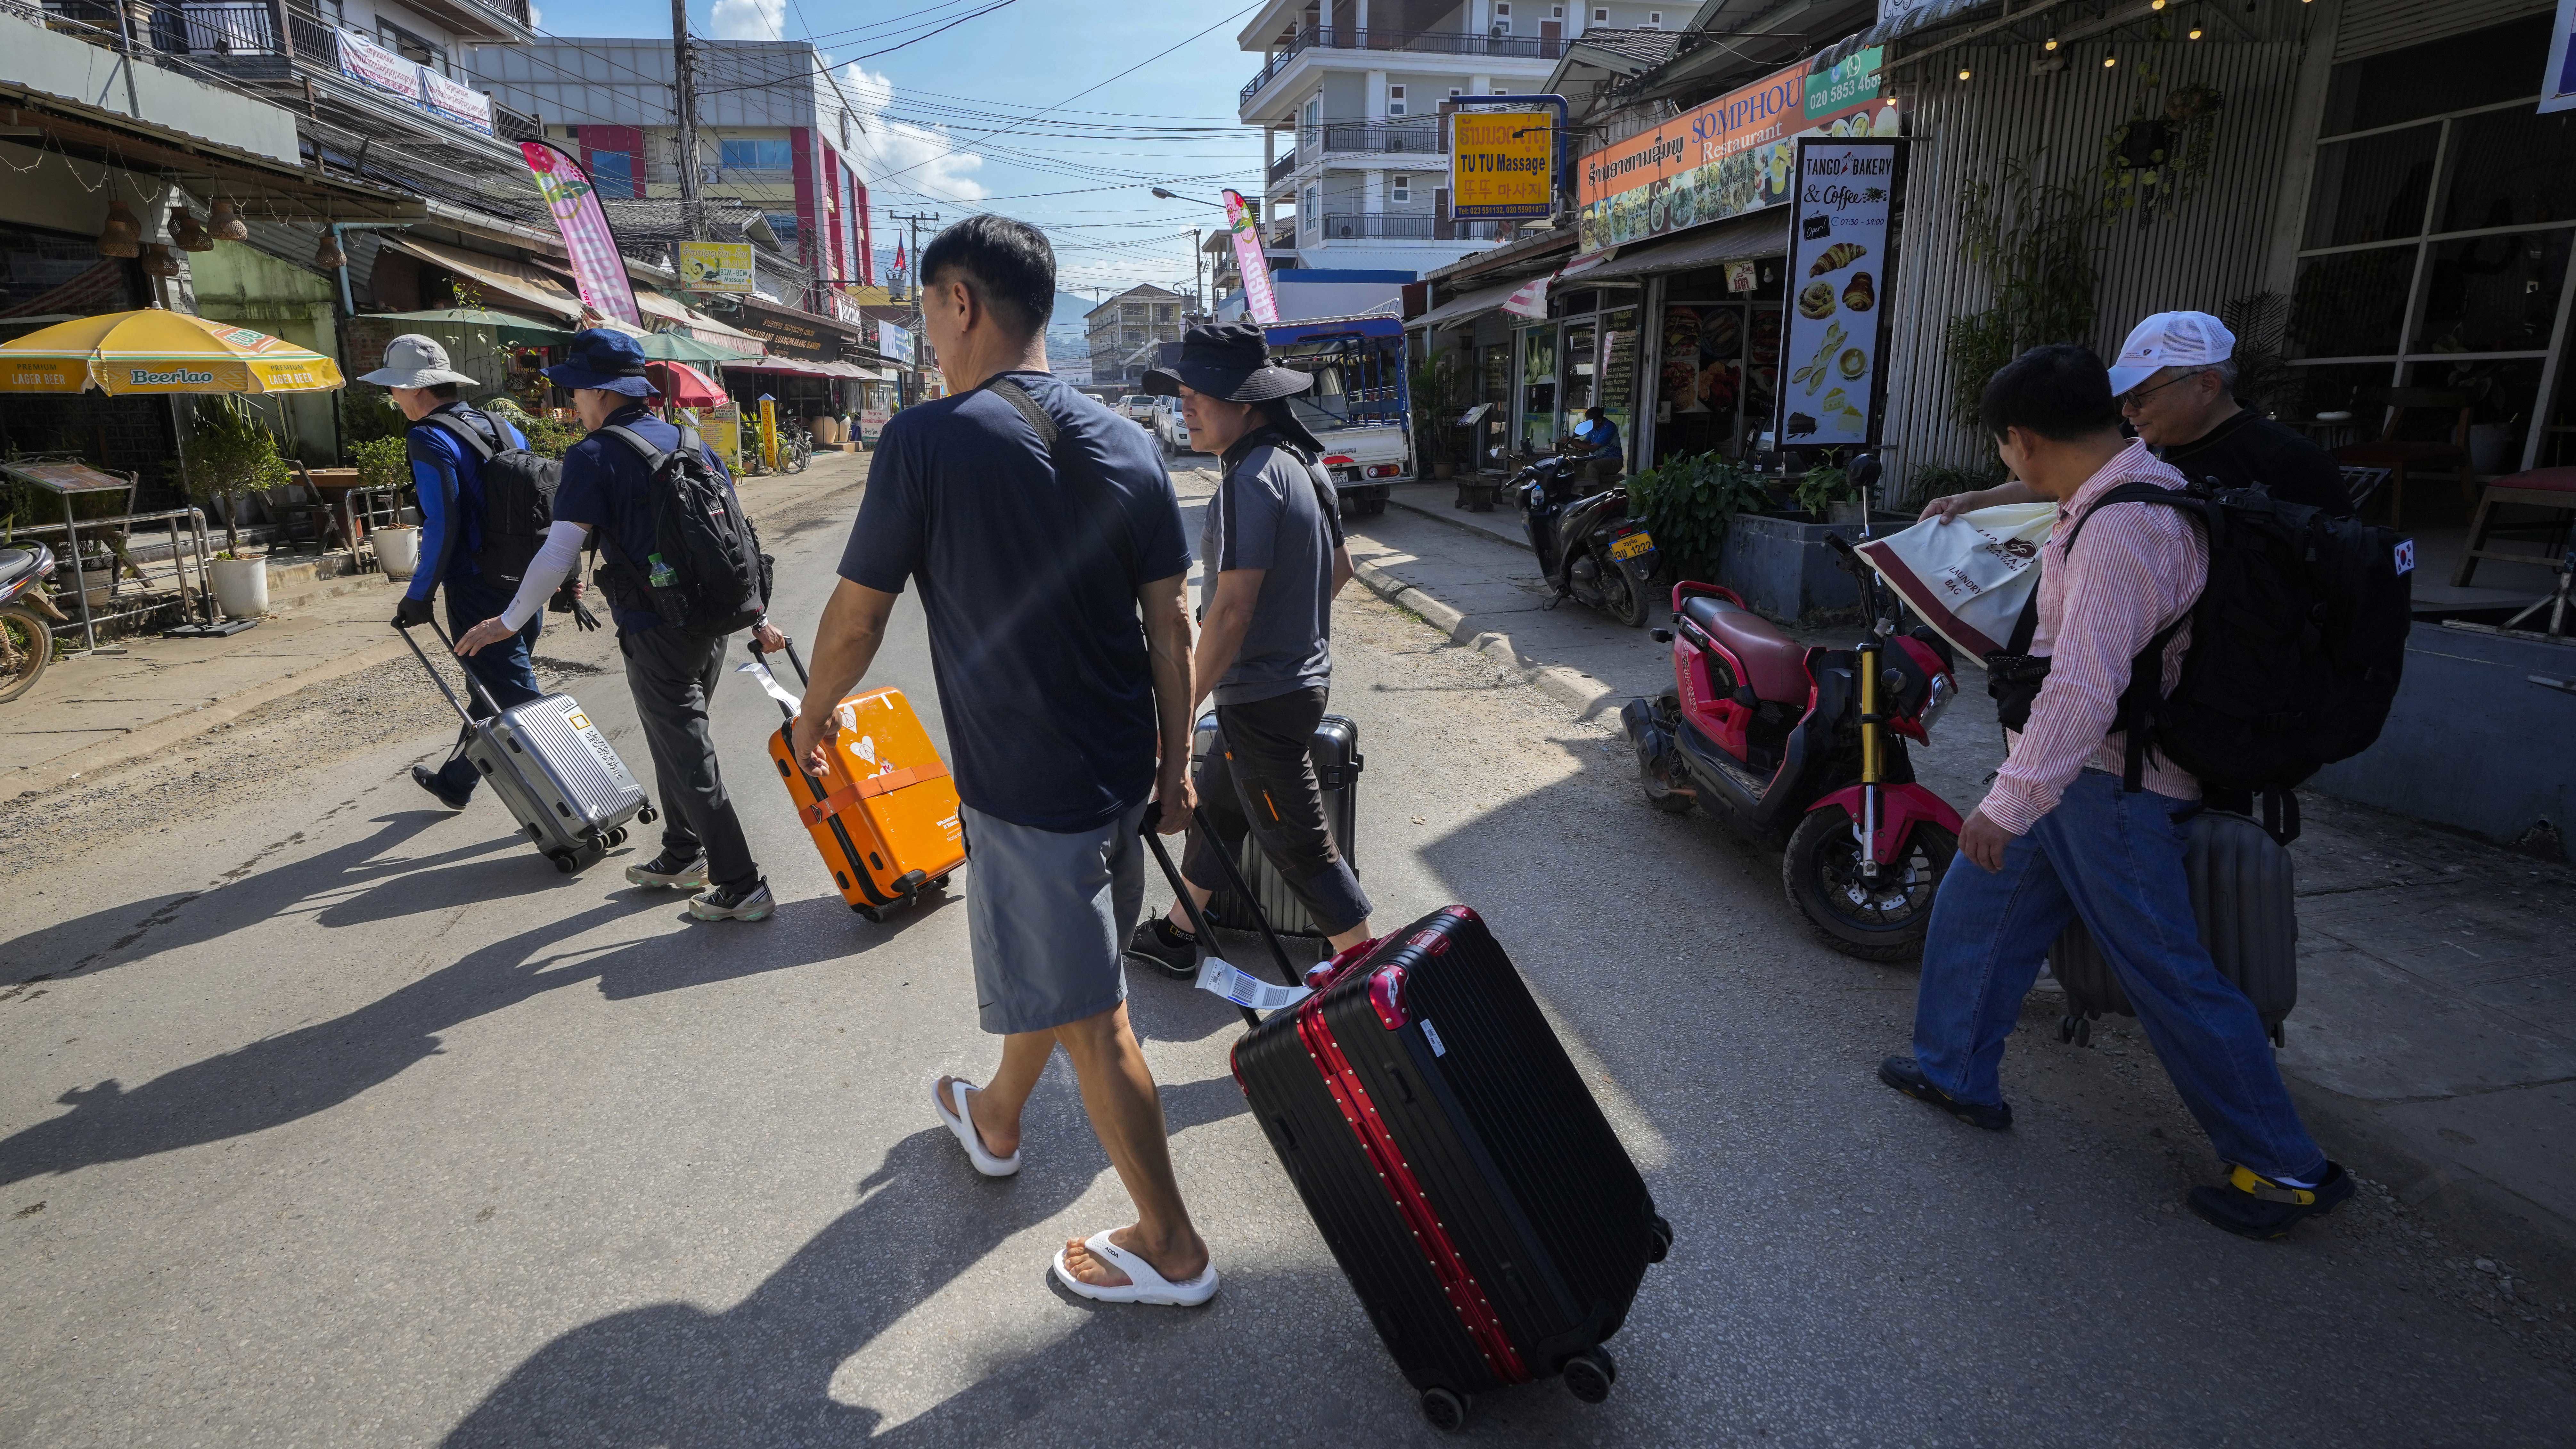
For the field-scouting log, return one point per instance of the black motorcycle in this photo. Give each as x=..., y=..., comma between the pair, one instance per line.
x=1588, y=547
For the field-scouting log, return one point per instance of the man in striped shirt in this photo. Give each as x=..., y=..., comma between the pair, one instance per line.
x=2058, y=838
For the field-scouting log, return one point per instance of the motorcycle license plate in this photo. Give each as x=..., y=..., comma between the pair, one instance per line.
x=1632, y=545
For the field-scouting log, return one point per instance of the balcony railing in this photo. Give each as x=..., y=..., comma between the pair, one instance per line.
x=1379, y=226
x=1412, y=138
x=1283, y=168
x=1420, y=42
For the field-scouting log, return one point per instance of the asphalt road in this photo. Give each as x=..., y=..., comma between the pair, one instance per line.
x=333, y=1118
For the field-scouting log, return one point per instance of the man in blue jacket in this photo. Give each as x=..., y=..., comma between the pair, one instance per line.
x=447, y=475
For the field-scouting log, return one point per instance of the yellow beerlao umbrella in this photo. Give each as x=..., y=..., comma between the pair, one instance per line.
x=159, y=351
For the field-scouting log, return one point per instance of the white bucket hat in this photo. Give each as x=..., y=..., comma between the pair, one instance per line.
x=412, y=360
x=2170, y=339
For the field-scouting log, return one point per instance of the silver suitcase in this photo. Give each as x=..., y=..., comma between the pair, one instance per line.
x=558, y=774
x=2247, y=903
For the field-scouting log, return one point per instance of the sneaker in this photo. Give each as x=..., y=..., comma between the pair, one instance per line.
x=1902, y=1074
x=427, y=779
x=733, y=903
x=1165, y=947
x=2251, y=1205
x=679, y=872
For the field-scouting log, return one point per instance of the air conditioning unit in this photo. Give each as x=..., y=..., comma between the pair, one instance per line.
x=1501, y=28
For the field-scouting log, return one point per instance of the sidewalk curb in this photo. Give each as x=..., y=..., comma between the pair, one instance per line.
x=163, y=734
x=1573, y=688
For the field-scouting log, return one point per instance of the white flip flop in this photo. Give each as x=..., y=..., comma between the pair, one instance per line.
x=1143, y=1284
x=961, y=1123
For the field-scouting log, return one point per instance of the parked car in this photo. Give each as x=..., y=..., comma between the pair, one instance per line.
x=1170, y=428
x=1137, y=406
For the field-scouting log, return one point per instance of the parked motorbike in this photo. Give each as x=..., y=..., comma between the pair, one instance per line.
x=1809, y=744
x=26, y=643
x=1588, y=548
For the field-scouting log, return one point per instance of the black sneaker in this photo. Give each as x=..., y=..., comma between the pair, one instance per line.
x=1166, y=948
x=671, y=869
x=2251, y=1205
x=733, y=903
x=1902, y=1074
x=427, y=779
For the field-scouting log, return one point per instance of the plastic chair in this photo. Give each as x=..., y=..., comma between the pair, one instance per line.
x=2550, y=488
x=2398, y=455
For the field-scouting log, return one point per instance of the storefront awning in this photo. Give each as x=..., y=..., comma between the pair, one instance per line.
x=786, y=365
x=1466, y=307
x=1899, y=19
x=686, y=318
x=518, y=281
x=1763, y=234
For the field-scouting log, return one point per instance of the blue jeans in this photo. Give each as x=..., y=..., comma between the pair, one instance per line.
x=505, y=669
x=2115, y=859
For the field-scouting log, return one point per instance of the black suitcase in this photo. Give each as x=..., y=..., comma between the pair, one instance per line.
x=1336, y=751
x=2242, y=893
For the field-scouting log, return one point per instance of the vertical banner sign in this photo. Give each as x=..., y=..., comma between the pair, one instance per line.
x=1501, y=165
x=1842, y=266
x=1257, y=299
x=2558, y=84
x=596, y=266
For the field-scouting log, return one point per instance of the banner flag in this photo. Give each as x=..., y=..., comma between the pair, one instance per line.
x=597, y=267
x=1258, y=302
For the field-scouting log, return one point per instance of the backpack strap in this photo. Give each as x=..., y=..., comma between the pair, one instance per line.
x=454, y=423
x=2143, y=700
x=652, y=456
x=1095, y=493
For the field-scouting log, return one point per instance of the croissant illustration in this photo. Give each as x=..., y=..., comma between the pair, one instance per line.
x=1839, y=255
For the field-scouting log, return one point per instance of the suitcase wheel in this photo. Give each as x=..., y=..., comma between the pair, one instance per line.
x=2066, y=1027
x=1659, y=1238
x=1446, y=1411
x=871, y=912
x=648, y=815
x=616, y=836
x=565, y=864
x=2084, y=1032
x=2280, y=1035
x=1589, y=1375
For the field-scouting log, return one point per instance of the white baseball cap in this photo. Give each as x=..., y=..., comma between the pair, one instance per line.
x=2170, y=339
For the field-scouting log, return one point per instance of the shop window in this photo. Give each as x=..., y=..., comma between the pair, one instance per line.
x=758, y=155
x=2492, y=293
x=2351, y=304
x=2511, y=168
x=2461, y=73
x=2372, y=189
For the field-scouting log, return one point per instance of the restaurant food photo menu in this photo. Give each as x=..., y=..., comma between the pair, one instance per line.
x=1842, y=262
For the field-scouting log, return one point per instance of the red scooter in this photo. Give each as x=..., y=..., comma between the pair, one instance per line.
x=1809, y=743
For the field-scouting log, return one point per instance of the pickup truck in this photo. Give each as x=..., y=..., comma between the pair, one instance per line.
x=1137, y=407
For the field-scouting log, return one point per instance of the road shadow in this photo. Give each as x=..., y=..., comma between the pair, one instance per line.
x=760, y=1372
x=313, y=1068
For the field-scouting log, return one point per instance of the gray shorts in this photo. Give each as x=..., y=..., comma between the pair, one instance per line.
x=1048, y=914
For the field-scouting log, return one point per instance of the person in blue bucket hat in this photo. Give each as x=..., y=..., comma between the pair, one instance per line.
x=608, y=485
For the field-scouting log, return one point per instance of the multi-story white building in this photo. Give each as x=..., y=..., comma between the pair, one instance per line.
x=1350, y=99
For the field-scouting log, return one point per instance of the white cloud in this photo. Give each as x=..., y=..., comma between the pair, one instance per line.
x=536, y=16
x=925, y=159
x=749, y=19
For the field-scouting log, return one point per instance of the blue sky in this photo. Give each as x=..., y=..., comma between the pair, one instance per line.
x=959, y=121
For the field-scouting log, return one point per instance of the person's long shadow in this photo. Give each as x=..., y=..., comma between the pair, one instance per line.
x=760, y=1372
x=313, y=1068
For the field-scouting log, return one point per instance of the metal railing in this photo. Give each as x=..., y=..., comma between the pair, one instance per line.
x=78, y=569
x=1421, y=42
x=1421, y=138
x=1283, y=168
x=1378, y=226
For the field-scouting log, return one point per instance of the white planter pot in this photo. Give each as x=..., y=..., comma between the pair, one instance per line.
x=398, y=551
x=241, y=586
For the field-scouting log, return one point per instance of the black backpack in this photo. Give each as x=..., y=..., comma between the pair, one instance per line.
x=518, y=498
x=2297, y=643
x=706, y=574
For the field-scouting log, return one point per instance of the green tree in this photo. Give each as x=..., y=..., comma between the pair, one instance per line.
x=231, y=452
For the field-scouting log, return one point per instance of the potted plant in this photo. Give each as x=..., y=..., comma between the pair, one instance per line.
x=231, y=452
x=1827, y=492
x=384, y=463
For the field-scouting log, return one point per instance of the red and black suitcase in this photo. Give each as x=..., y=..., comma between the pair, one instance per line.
x=1492, y=1224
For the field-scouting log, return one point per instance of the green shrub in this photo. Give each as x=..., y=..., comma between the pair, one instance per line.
x=1689, y=503
x=1823, y=486
x=381, y=462
x=1940, y=480
x=232, y=452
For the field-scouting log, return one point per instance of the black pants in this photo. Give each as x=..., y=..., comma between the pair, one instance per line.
x=1259, y=779
x=671, y=674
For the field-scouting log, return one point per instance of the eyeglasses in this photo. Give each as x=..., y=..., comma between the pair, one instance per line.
x=2134, y=397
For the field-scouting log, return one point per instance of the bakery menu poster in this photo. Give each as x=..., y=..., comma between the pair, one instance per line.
x=1832, y=389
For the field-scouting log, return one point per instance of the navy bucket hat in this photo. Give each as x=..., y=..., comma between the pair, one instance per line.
x=608, y=360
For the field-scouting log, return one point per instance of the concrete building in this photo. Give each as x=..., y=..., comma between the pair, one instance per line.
x=1123, y=331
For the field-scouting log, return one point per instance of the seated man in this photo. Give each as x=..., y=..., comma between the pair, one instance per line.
x=1601, y=437
x=2057, y=838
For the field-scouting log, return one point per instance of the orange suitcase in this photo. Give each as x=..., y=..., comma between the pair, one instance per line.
x=885, y=817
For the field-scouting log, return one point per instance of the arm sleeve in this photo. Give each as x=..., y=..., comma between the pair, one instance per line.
x=1253, y=503
x=433, y=476
x=2117, y=587
x=557, y=558
x=885, y=544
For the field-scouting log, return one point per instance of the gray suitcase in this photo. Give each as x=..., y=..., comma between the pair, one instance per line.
x=2242, y=893
x=558, y=774
x=1336, y=752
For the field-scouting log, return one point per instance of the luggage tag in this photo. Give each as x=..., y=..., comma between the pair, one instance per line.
x=768, y=683
x=1246, y=990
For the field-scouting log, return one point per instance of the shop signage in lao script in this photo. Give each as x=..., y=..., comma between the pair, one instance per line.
x=1727, y=158
x=715, y=266
x=1501, y=165
x=894, y=343
x=1833, y=378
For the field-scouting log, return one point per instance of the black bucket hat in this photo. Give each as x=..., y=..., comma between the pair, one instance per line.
x=1229, y=360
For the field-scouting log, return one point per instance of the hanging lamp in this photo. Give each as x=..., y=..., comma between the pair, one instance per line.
x=160, y=261
x=225, y=224
x=123, y=235
x=188, y=232
x=328, y=255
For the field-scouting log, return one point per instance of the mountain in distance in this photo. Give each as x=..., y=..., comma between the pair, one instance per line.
x=1069, y=309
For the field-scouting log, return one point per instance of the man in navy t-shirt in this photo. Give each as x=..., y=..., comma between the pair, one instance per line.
x=1037, y=524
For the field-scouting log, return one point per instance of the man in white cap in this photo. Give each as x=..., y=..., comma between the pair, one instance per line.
x=446, y=471
x=2176, y=382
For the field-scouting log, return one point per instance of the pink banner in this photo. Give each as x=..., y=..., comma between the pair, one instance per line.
x=597, y=268
x=1258, y=302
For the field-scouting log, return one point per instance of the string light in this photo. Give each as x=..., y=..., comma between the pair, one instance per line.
x=2051, y=43
x=1963, y=72
x=2195, y=32
x=2109, y=61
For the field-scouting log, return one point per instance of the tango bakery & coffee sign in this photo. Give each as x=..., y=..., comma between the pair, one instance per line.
x=1730, y=156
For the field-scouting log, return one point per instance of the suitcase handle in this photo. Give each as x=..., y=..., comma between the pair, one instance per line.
x=801, y=677
x=1198, y=918
x=482, y=696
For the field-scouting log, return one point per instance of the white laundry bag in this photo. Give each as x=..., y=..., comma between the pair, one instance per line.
x=1967, y=576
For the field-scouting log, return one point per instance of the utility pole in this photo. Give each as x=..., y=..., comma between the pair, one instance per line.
x=913, y=220
x=685, y=100
x=1198, y=294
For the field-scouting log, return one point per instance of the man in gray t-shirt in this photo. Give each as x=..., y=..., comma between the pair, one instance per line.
x=1274, y=556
